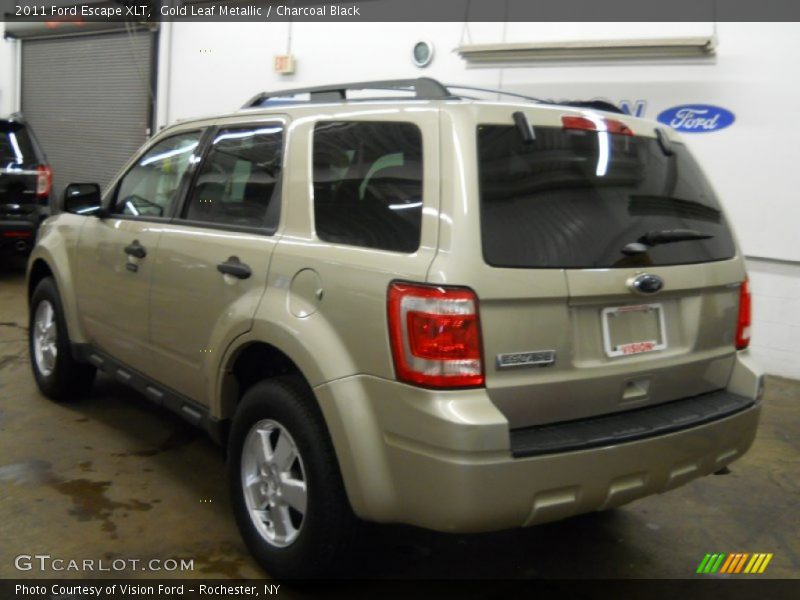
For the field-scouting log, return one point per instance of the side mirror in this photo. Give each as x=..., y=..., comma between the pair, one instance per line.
x=83, y=199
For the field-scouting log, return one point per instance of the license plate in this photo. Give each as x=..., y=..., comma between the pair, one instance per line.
x=629, y=330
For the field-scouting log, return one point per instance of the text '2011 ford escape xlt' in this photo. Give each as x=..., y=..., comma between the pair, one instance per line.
x=435, y=310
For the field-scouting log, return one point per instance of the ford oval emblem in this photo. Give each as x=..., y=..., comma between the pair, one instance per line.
x=697, y=118
x=647, y=284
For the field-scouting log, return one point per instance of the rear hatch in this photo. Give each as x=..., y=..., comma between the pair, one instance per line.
x=575, y=219
x=19, y=174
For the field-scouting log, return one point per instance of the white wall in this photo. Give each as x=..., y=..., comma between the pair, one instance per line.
x=240, y=62
x=8, y=75
x=240, y=57
x=776, y=316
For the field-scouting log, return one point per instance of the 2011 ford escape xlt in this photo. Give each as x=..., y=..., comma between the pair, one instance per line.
x=436, y=310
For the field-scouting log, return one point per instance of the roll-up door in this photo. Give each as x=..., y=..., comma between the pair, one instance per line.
x=89, y=101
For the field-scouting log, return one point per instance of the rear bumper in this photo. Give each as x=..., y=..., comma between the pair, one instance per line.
x=17, y=237
x=628, y=426
x=443, y=460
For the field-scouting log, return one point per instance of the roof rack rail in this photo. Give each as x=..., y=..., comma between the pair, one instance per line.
x=424, y=88
x=595, y=104
x=455, y=86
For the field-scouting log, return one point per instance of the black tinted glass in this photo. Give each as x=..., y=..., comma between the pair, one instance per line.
x=151, y=186
x=368, y=184
x=16, y=146
x=239, y=181
x=574, y=199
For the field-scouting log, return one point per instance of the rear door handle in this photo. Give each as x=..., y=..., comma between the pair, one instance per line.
x=135, y=249
x=233, y=266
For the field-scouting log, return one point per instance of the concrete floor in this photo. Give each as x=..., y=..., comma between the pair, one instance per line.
x=114, y=476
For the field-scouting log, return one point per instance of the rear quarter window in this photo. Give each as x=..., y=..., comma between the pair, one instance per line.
x=368, y=184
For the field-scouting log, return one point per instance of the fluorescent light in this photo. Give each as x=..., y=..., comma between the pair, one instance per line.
x=599, y=50
x=405, y=206
x=246, y=134
x=13, y=139
x=169, y=154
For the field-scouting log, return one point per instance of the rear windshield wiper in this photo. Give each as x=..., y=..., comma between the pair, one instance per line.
x=664, y=236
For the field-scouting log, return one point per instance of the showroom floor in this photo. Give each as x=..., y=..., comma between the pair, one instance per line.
x=114, y=476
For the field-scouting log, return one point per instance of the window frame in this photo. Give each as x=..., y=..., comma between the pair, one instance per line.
x=212, y=133
x=182, y=188
x=313, y=216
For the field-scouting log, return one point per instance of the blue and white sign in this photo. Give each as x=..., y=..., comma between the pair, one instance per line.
x=697, y=118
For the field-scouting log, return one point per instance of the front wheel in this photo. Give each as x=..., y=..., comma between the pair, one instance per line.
x=58, y=375
x=287, y=492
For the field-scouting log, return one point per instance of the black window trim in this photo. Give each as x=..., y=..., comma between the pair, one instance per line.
x=187, y=177
x=211, y=135
x=311, y=178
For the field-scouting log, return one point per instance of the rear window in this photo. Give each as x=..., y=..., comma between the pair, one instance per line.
x=368, y=184
x=16, y=146
x=574, y=199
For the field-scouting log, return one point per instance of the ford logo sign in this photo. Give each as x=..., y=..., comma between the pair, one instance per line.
x=647, y=284
x=697, y=118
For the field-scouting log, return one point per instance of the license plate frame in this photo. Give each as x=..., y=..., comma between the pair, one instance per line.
x=634, y=348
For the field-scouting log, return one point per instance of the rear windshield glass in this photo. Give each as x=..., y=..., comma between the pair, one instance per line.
x=16, y=147
x=575, y=199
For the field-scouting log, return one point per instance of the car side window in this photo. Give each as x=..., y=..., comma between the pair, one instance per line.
x=368, y=184
x=238, y=183
x=151, y=186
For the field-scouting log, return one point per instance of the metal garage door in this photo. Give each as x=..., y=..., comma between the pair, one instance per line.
x=88, y=99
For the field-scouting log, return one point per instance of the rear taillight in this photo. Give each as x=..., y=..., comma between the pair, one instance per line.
x=745, y=316
x=435, y=335
x=595, y=124
x=44, y=181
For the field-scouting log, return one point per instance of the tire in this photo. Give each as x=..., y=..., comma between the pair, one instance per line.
x=287, y=542
x=59, y=376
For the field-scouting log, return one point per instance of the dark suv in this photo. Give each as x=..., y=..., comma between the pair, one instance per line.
x=25, y=184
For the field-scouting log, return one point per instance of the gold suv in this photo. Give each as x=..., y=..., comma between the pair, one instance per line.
x=417, y=308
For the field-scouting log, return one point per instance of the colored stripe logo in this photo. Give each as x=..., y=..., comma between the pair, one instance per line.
x=734, y=563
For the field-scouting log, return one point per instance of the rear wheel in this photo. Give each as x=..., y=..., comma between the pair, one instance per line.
x=274, y=485
x=287, y=492
x=58, y=375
